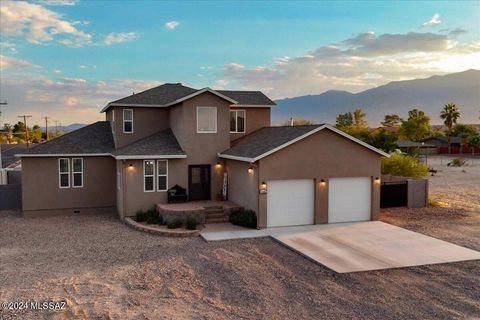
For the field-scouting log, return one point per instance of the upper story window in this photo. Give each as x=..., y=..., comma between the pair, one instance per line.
x=127, y=120
x=206, y=120
x=64, y=173
x=237, y=121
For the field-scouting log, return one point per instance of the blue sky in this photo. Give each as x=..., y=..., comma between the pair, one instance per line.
x=68, y=58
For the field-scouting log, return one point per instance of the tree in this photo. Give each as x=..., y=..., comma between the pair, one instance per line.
x=344, y=121
x=36, y=134
x=416, y=127
x=405, y=166
x=464, y=132
x=298, y=122
x=450, y=115
x=383, y=139
x=355, y=124
x=359, y=119
x=392, y=121
x=474, y=142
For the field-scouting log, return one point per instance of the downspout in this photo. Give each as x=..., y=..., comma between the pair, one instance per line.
x=124, y=198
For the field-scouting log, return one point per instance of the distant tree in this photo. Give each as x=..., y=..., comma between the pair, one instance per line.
x=383, y=139
x=464, y=132
x=416, y=127
x=359, y=118
x=36, y=134
x=344, y=121
x=474, y=142
x=355, y=124
x=297, y=122
x=450, y=115
x=392, y=121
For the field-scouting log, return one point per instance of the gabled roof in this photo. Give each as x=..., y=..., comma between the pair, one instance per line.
x=172, y=93
x=413, y=144
x=445, y=139
x=94, y=139
x=268, y=140
x=159, y=145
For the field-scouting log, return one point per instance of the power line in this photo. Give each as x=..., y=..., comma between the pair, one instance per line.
x=26, y=127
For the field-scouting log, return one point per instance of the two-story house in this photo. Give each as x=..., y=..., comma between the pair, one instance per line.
x=201, y=139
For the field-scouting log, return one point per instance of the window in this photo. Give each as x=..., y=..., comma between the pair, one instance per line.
x=237, y=121
x=206, y=119
x=162, y=175
x=64, y=173
x=148, y=175
x=127, y=120
x=77, y=167
x=113, y=120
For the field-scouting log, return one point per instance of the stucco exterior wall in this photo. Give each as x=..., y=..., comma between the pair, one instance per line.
x=146, y=121
x=242, y=186
x=322, y=155
x=255, y=118
x=42, y=195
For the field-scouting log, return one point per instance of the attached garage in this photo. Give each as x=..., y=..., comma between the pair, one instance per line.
x=290, y=202
x=349, y=199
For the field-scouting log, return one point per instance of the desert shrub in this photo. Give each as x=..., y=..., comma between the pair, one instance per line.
x=191, y=223
x=153, y=217
x=433, y=203
x=458, y=162
x=174, y=224
x=405, y=166
x=141, y=216
x=245, y=218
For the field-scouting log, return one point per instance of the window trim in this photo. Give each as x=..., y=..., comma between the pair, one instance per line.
x=236, y=121
x=152, y=175
x=124, y=121
x=60, y=173
x=162, y=175
x=202, y=107
x=113, y=120
x=73, y=173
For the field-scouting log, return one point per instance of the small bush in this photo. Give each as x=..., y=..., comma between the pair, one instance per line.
x=405, y=166
x=141, y=216
x=153, y=217
x=191, y=223
x=174, y=224
x=458, y=162
x=245, y=218
x=433, y=203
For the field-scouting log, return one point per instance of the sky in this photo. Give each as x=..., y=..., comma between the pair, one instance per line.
x=66, y=59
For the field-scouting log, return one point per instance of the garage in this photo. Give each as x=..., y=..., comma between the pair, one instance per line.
x=349, y=199
x=290, y=202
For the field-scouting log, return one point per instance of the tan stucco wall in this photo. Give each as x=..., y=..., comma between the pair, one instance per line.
x=40, y=189
x=255, y=118
x=146, y=121
x=242, y=186
x=322, y=155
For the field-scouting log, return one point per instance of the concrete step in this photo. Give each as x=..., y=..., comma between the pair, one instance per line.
x=216, y=220
x=213, y=211
x=215, y=215
x=214, y=207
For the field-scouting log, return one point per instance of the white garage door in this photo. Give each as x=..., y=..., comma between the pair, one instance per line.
x=349, y=199
x=290, y=203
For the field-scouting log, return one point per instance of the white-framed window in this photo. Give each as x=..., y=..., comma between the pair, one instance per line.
x=113, y=120
x=64, y=173
x=148, y=175
x=206, y=119
x=77, y=172
x=162, y=175
x=127, y=120
x=237, y=121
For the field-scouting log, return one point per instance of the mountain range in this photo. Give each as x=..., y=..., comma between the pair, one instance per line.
x=398, y=97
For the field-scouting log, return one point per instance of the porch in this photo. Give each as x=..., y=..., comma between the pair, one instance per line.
x=205, y=211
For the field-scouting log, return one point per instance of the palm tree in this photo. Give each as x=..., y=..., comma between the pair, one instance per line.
x=450, y=115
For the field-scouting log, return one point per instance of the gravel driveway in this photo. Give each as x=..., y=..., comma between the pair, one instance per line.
x=105, y=270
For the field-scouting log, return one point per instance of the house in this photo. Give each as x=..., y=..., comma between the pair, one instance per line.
x=412, y=147
x=442, y=142
x=200, y=139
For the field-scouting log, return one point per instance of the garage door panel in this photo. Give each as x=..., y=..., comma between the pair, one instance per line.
x=290, y=203
x=349, y=199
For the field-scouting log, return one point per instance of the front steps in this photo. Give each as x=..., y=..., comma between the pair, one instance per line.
x=215, y=214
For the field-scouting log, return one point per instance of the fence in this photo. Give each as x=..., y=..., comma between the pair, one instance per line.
x=11, y=196
x=398, y=191
x=456, y=150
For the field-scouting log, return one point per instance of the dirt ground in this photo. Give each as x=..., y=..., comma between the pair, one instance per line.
x=105, y=270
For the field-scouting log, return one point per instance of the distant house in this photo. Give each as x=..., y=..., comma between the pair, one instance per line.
x=414, y=147
x=204, y=140
x=442, y=142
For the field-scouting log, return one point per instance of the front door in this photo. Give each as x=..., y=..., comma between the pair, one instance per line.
x=199, y=182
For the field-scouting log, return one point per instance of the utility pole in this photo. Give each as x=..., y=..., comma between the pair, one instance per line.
x=1, y=142
x=56, y=128
x=26, y=127
x=46, y=126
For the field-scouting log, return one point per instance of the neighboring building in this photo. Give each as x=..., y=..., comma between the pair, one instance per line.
x=173, y=134
x=442, y=142
x=412, y=147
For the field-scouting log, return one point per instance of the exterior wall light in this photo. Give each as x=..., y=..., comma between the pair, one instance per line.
x=218, y=165
x=377, y=179
x=263, y=187
x=323, y=182
x=250, y=170
x=130, y=166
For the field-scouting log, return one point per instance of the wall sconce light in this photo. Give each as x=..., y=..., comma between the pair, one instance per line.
x=323, y=182
x=263, y=187
x=377, y=179
x=130, y=166
x=250, y=170
x=218, y=165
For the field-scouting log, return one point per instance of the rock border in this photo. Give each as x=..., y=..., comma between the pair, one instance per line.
x=174, y=233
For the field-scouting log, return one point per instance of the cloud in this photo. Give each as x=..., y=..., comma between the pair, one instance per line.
x=10, y=46
x=355, y=64
x=14, y=63
x=82, y=66
x=172, y=25
x=220, y=84
x=434, y=20
x=57, y=71
x=119, y=37
x=59, y=2
x=456, y=32
x=38, y=24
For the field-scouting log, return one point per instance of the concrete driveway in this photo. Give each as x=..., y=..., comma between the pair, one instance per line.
x=372, y=245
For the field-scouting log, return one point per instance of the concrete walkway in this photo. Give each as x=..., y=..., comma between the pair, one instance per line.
x=352, y=247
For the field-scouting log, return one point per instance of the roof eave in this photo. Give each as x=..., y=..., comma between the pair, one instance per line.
x=148, y=157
